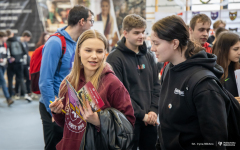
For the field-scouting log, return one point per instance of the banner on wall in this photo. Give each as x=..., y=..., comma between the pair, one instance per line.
x=231, y=17
x=19, y=16
x=112, y=13
x=54, y=14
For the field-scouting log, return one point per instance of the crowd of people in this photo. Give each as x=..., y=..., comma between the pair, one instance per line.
x=192, y=108
x=15, y=58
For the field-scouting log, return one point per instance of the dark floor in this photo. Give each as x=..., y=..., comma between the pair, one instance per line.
x=20, y=125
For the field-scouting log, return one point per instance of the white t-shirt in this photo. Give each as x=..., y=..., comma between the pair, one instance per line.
x=3, y=52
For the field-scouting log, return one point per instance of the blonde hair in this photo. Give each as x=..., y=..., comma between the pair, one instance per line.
x=74, y=76
x=217, y=23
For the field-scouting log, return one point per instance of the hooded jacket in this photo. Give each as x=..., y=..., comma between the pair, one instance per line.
x=180, y=127
x=113, y=94
x=50, y=79
x=139, y=74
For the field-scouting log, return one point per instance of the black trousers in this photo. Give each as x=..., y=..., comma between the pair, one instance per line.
x=28, y=81
x=15, y=69
x=145, y=137
x=51, y=131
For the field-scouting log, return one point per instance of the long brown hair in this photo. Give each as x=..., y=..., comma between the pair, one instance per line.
x=41, y=40
x=74, y=76
x=221, y=49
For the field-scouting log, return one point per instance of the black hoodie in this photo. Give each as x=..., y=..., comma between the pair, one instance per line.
x=180, y=127
x=138, y=73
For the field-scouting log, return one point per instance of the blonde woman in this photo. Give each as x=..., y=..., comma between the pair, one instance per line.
x=89, y=65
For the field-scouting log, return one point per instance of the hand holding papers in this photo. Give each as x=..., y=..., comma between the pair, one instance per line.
x=79, y=99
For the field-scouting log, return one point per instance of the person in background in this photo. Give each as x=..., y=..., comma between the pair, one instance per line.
x=24, y=39
x=15, y=65
x=227, y=50
x=80, y=19
x=106, y=17
x=4, y=55
x=199, y=31
x=218, y=31
x=89, y=65
x=42, y=39
x=216, y=25
x=185, y=122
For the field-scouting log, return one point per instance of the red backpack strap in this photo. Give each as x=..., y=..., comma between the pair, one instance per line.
x=63, y=41
x=5, y=45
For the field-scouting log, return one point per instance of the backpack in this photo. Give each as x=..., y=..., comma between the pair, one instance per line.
x=232, y=105
x=16, y=50
x=35, y=64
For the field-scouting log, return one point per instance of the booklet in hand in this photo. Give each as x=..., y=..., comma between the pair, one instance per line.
x=86, y=93
x=90, y=94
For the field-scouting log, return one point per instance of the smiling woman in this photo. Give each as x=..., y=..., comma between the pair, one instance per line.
x=90, y=65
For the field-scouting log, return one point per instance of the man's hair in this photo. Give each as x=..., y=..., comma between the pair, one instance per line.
x=199, y=18
x=3, y=34
x=133, y=21
x=8, y=32
x=217, y=23
x=27, y=33
x=77, y=13
x=219, y=30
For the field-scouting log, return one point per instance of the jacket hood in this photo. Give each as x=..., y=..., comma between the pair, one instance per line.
x=13, y=39
x=107, y=69
x=203, y=59
x=122, y=47
x=65, y=34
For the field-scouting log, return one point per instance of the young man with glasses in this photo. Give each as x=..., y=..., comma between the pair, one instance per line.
x=79, y=20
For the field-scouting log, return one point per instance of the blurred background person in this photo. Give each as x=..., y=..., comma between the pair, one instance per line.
x=227, y=50
x=216, y=25
x=43, y=39
x=15, y=65
x=24, y=39
x=217, y=33
x=4, y=54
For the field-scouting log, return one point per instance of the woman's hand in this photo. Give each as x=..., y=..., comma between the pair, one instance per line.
x=56, y=106
x=89, y=116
